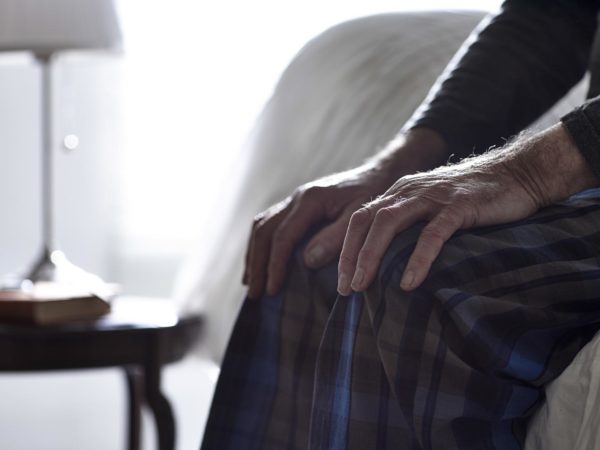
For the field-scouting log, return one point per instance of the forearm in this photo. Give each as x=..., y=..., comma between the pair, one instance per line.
x=547, y=165
x=553, y=166
x=550, y=165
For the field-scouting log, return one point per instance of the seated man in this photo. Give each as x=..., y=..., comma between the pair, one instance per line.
x=399, y=305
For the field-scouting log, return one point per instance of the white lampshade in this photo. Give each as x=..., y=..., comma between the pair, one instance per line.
x=48, y=26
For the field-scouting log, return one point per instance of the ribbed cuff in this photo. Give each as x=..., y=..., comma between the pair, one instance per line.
x=583, y=124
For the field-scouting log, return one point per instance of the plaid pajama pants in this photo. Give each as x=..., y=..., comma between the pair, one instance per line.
x=459, y=363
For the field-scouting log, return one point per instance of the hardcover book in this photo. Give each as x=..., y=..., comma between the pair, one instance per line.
x=50, y=303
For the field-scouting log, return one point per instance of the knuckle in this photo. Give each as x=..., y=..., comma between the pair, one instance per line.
x=298, y=197
x=444, y=186
x=296, y=194
x=258, y=219
x=449, y=213
x=345, y=260
x=273, y=211
x=433, y=234
x=419, y=260
x=280, y=238
x=454, y=215
x=403, y=182
x=366, y=255
x=385, y=216
x=360, y=217
x=461, y=201
x=261, y=233
x=312, y=193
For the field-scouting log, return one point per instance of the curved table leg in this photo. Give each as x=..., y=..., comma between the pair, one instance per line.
x=135, y=392
x=159, y=405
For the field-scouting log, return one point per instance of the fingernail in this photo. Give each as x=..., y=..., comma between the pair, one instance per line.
x=315, y=255
x=359, y=276
x=342, y=284
x=407, y=279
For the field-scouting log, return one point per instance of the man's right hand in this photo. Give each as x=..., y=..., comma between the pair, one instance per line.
x=330, y=201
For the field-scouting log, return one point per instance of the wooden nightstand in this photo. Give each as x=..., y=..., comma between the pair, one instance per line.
x=140, y=335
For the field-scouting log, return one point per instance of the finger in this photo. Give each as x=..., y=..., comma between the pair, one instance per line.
x=260, y=250
x=259, y=220
x=388, y=222
x=429, y=245
x=290, y=231
x=359, y=225
x=326, y=245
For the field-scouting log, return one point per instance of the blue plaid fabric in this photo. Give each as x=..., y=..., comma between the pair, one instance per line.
x=459, y=363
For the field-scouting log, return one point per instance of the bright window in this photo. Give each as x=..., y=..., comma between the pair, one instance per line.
x=196, y=76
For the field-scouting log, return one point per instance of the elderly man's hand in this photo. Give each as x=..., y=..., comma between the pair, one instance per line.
x=501, y=186
x=329, y=202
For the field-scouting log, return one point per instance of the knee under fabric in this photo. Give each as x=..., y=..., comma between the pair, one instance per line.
x=459, y=363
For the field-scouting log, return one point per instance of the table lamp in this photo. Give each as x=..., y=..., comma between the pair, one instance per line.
x=45, y=28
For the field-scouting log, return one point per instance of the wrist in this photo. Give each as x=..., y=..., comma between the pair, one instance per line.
x=416, y=150
x=553, y=166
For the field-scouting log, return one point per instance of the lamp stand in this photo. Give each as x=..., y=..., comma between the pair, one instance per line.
x=48, y=266
x=52, y=265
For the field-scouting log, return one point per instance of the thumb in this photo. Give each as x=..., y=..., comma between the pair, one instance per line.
x=327, y=244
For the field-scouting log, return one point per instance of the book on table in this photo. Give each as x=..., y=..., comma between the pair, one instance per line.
x=50, y=303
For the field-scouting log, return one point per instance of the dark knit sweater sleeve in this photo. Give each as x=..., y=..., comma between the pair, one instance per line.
x=513, y=69
x=583, y=124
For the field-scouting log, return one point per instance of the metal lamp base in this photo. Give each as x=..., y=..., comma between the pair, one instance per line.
x=54, y=267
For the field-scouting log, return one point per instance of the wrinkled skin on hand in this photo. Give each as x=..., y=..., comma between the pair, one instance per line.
x=277, y=231
x=501, y=186
x=447, y=199
x=330, y=202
